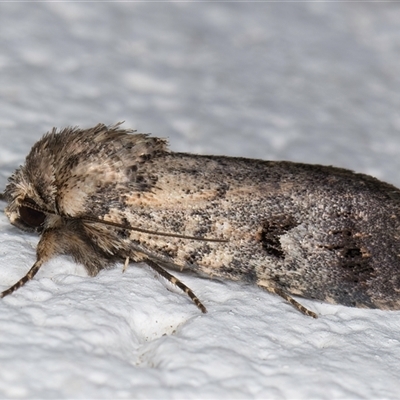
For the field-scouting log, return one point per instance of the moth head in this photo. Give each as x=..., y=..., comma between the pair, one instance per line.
x=28, y=216
x=25, y=209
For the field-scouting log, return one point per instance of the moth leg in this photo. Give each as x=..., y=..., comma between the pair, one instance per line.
x=31, y=273
x=176, y=282
x=126, y=263
x=273, y=289
x=46, y=249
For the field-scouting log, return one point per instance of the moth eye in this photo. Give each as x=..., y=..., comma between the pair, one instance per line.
x=31, y=217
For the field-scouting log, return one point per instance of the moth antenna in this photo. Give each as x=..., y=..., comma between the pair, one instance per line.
x=34, y=206
x=176, y=282
x=128, y=227
x=157, y=233
x=31, y=273
x=272, y=289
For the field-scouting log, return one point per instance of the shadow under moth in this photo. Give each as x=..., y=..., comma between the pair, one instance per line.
x=106, y=195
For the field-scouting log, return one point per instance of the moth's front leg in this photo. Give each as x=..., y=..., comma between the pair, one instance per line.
x=46, y=249
x=71, y=240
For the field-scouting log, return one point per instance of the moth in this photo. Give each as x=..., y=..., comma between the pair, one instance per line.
x=107, y=195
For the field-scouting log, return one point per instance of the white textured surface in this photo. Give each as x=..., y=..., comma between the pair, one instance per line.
x=314, y=82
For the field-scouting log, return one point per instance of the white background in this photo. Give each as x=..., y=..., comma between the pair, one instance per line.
x=311, y=82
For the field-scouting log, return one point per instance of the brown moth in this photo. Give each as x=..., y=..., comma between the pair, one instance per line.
x=104, y=195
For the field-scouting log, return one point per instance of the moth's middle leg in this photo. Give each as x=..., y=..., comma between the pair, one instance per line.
x=176, y=282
